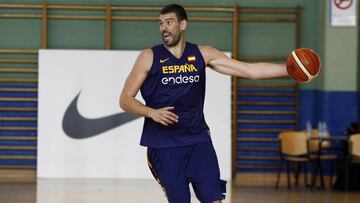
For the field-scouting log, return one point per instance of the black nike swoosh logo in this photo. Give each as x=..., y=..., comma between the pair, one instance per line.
x=78, y=127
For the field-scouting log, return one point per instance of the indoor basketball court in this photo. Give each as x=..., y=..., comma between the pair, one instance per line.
x=92, y=111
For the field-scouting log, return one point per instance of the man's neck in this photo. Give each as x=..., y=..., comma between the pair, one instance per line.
x=178, y=49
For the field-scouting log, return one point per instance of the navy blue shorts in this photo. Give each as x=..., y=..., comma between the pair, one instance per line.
x=176, y=168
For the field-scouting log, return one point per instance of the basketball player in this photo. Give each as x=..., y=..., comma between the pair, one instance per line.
x=171, y=78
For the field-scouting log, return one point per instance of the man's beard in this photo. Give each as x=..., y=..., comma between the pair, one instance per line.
x=172, y=42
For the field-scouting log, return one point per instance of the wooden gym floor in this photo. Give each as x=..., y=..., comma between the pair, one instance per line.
x=136, y=191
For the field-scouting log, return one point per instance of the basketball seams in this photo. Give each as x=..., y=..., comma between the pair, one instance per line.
x=301, y=65
x=302, y=55
x=311, y=58
x=315, y=62
x=294, y=71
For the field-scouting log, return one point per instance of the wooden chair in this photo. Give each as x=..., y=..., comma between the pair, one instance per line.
x=320, y=151
x=353, y=157
x=293, y=148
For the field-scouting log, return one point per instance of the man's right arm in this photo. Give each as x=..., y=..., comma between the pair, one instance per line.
x=136, y=78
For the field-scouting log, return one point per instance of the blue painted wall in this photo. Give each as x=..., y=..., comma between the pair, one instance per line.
x=336, y=108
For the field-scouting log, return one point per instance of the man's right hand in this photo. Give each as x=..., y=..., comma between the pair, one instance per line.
x=164, y=116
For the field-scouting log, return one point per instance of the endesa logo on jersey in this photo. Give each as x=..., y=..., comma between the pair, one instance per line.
x=173, y=74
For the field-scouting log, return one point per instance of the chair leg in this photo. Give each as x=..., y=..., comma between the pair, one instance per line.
x=305, y=175
x=278, y=175
x=331, y=173
x=288, y=174
x=321, y=170
x=347, y=165
x=297, y=174
x=298, y=170
x=314, y=175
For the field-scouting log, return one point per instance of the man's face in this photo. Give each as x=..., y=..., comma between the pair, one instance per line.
x=171, y=29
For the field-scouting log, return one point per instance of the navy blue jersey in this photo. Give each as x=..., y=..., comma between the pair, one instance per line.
x=179, y=83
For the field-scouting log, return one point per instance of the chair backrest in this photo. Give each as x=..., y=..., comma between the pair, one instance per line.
x=293, y=143
x=355, y=144
x=353, y=128
x=314, y=143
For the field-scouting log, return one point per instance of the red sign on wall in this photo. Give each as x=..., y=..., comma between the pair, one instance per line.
x=343, y=12
x=343, y=4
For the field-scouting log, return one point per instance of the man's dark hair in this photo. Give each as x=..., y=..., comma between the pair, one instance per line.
x=177, y=9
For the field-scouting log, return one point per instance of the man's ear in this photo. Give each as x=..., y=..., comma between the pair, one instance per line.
x=183, y=25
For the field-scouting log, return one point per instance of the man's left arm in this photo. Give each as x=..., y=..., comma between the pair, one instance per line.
x=221, y=63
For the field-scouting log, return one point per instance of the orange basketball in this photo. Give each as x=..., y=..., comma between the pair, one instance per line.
x=303, y=65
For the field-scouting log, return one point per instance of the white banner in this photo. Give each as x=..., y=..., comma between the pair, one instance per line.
x=343, y=12
x=83, y=133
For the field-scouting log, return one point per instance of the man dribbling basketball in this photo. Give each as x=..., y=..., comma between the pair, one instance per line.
x=171, y=77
